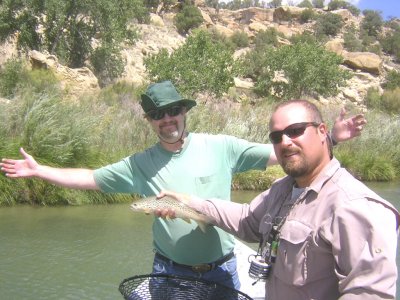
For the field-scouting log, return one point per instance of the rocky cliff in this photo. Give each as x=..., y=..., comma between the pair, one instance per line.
x=369, y=69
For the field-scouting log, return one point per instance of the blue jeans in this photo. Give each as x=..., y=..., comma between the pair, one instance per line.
x=225, y=274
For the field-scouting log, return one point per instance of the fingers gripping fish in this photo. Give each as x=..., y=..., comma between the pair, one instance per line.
x=151, y=204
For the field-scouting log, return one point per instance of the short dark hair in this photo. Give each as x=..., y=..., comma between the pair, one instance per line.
x=310, y=107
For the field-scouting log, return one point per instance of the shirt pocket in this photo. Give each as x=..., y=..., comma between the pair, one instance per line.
x=291, y=265
x=210, y=184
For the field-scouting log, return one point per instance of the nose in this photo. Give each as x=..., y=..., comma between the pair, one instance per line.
x=286, y=140
x=166, y=116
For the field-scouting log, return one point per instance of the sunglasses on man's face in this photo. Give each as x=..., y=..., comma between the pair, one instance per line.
x=292, y=131
x=172, y=111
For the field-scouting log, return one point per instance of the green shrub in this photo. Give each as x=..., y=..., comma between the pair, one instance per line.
x=188, y=18
x=200, y=65
x=337, y=4
x=372, y=22
x=107, y=63
x=351, y=42
x=391, y=44
x=219, y=37
x=375, y=48
x=305, y=4
x=275, y=3
x=392, y=80
x=354, y=10
x=15, y=77
x=328, y=24
x=305, y=37
x=366, y=39
x=367, y=166
x=306, y=15
x=391, y=101
x=267, y=37
x=307, y=69
x=373, y=99
x=12, y=74
x=369, y=163
x=318, y=3
x=257, y=180
x=69, y=27
x=240, y=39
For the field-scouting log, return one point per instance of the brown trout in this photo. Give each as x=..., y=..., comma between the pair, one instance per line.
x=150, y=204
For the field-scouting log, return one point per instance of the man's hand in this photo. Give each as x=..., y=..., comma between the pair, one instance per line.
x=21, y=168
x=170, y=213
x=345, y=129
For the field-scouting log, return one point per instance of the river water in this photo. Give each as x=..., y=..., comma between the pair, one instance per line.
x=85, y=252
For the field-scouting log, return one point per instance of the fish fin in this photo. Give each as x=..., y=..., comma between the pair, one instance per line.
x=203, y=226
x=187, y=220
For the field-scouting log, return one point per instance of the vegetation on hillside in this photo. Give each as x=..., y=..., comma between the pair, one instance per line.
x=200, y=65
x=68, y=29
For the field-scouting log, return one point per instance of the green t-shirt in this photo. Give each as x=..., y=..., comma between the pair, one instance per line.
x=204, y=168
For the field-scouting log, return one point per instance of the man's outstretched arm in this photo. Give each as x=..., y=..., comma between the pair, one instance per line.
x=28, y=168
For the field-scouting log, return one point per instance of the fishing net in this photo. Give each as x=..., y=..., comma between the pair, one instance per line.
x=172, y=287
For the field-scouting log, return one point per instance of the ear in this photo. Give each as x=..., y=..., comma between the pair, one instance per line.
x=322, y=132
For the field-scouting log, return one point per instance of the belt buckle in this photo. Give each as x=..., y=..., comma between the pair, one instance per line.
x=201, y=268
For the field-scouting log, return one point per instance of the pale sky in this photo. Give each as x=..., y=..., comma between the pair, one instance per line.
x=388, y=8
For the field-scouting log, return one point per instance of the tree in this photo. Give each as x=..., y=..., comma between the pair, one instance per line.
x=68, y=28
x=200, y=65
x=329, y=24
x=391, y=44
x=275, y=3
x=305, y=4
x=337, y=4
x=318, y=3
x=372, y=22
x=293, y=71
x=188, y=18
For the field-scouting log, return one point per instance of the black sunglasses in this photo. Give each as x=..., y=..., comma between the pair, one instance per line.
x=172, y=111
x=293, y=131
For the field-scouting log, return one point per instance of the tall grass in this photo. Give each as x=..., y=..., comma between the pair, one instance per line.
x=375, y=155
x=101, y=129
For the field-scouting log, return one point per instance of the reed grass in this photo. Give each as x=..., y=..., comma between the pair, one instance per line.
x=101, y=129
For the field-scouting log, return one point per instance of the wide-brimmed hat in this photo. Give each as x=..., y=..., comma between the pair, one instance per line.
x=162, y=95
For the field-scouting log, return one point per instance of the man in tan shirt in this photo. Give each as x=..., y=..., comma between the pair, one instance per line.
x=324, y=234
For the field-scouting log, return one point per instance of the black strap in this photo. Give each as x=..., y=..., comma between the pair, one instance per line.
x=211, y=265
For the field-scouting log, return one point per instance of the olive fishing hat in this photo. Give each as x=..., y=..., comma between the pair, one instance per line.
x=162, y=95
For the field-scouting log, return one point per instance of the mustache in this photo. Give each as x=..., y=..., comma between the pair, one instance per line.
x=168, y=123
x=287, y=151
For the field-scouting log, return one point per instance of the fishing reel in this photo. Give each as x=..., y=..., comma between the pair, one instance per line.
x=259, y=269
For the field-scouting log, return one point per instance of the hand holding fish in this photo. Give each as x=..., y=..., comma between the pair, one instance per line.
x=170, y=211
x=171, y=205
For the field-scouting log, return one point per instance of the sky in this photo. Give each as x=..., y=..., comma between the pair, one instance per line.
x=389, y=8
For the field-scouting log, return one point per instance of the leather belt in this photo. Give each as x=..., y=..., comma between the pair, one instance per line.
x=199, y=268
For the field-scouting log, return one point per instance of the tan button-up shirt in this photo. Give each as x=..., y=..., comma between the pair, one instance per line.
x=338, y=241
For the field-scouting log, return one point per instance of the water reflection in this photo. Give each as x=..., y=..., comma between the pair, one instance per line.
x=84, y=252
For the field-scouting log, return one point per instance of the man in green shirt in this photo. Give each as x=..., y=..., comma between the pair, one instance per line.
x=192, y=163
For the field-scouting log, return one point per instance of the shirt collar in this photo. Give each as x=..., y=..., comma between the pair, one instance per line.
x=330, y=169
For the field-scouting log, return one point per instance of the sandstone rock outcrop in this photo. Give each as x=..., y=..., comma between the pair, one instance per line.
x=77, y=81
